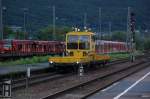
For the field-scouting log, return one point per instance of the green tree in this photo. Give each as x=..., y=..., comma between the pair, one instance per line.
x=8, y=33
x=147, y=44
x=118, y=36
x=47, y=33
x=139, y=41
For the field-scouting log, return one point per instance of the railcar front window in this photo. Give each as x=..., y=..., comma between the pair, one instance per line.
x=72, y=42
x=84, y=42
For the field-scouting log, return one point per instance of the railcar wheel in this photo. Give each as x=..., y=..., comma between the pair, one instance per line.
x=51, y=65
x=75, y=68
x=60, y=69
x=87, y=67
x=103, y=64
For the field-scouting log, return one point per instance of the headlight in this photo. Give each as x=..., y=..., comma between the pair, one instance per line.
x=51, y=62
x=77, y=62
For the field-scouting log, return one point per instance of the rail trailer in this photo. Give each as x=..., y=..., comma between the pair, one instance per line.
x=106, y=47
x=80, y=50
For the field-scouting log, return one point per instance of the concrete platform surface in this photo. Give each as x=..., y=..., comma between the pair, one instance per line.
x=136, y=86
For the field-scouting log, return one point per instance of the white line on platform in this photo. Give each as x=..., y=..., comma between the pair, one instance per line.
x=125, y=91
x=110, y=86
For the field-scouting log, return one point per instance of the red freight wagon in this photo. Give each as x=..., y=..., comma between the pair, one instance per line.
x=31, y=47
x=1, y=46
x=6, y=46
x=22, y=46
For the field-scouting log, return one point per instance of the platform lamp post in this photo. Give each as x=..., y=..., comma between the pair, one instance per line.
x=28, y=75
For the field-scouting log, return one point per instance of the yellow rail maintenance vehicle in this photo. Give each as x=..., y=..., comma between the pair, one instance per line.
x=80, y=50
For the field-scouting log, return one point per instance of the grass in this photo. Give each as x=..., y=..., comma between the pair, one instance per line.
x=115, y=56
x=40, y=59
x=33, y=60
x=119, y=55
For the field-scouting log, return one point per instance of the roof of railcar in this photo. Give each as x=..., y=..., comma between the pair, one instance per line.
x=80, y=33
x=112, y=42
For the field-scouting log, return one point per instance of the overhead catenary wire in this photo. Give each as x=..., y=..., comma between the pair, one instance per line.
x=43, y=15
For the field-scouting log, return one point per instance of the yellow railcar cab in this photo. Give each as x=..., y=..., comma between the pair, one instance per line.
x=80, y=44
x=80, y=48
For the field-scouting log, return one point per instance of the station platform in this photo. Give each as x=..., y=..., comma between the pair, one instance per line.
x=22, y=68
x=136, y=86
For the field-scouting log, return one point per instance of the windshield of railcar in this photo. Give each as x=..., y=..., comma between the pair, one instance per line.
x=72, y=42
x=78, y=42
x=84, y=42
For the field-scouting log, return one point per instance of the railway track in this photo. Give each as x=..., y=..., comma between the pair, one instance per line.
x=35, y=79
x=39, y=78
x=85, y=89
x=50, y=76
x=20, y=83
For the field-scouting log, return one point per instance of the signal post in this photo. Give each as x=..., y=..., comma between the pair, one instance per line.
x=132, y=39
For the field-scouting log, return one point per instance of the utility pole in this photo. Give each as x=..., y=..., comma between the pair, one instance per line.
x=85, y=21
x=54, y=23
x=100, y=28
x=4, y=15
x=100, y=24
x=1, y=20
x=24, y=22
x=110, y=34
